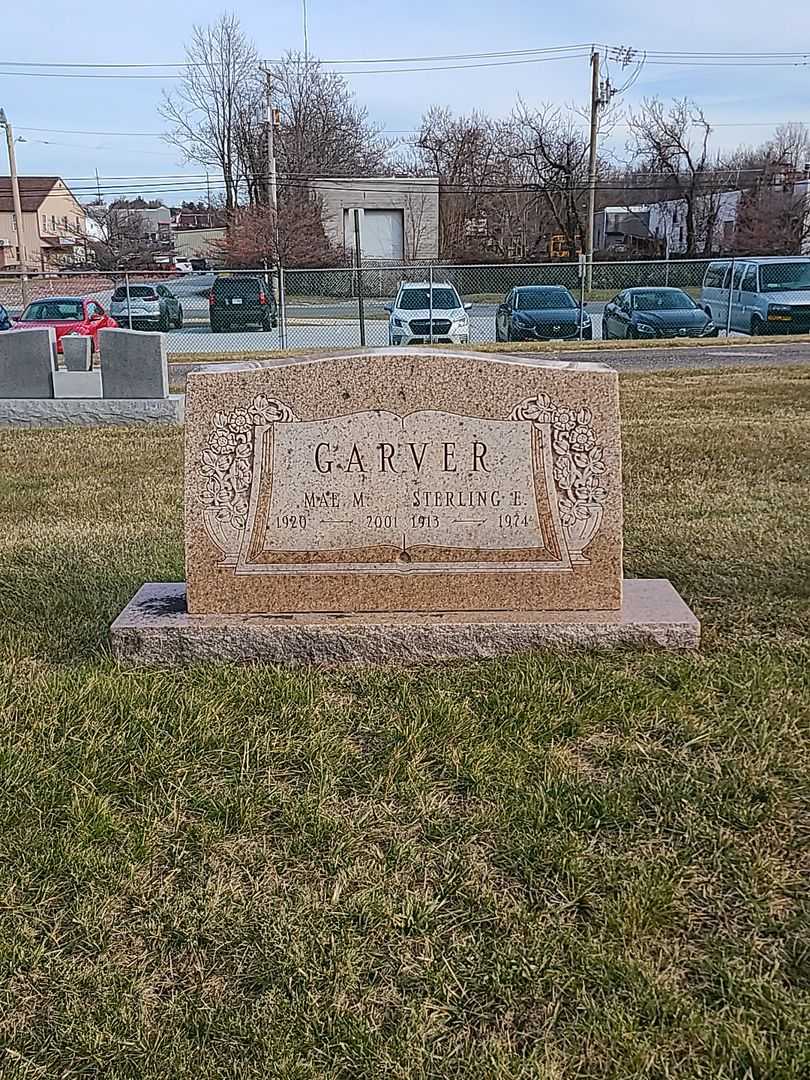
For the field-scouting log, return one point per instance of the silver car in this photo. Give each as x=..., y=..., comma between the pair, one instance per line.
x=418, y=317
x=146, y=307
x=759, y=296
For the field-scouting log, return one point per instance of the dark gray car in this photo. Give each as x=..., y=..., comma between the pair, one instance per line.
x=541, y=313
x=655, y=313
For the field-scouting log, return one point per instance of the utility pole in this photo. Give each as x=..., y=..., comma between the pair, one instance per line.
x=22, y=256
x=272, y=195
x=272, y=190
x=595, y=103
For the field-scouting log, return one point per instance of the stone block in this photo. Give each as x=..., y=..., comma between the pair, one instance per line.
x=27, y=363
x=77, y=352
x=133, y=364
x=89, y=412
x=155, y=628
x=77, y=384
x=404, y=480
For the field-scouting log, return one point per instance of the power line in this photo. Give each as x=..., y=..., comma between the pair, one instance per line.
x=356, y=60
x=357, y=71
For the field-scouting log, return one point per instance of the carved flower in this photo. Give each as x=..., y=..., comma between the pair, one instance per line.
x=239, y=508
x=564, y=472
x=568, y=515
x=239, y=422
x=582, y=439
x=222, y=441
x=588, y=489
x=564, y=419
x=241, y=475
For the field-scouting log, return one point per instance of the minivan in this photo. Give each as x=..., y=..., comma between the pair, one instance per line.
x=766, y=295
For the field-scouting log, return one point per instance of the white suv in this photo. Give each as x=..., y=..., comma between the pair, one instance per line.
x=410, y=319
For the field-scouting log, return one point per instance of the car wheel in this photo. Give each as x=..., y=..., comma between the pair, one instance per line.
x=631, y=333
x=164, y=324
x=605, y=331
x=757, y=326
x=179, y=323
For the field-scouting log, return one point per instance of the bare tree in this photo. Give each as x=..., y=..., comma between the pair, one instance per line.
x=214, y=100
x=300, y=239
x=554, y=150
x=667, y=151
x=466, y=153
x=118, y=238
x=322, y=130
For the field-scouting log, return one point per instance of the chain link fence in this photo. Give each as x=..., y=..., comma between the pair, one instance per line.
x=256, y=312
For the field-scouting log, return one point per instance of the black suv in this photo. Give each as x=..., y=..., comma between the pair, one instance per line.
x=238, y=302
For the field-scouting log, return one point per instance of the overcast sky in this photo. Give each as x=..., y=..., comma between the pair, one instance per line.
x=745, y=102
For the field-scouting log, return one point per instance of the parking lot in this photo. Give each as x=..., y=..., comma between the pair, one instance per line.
x=321, y=307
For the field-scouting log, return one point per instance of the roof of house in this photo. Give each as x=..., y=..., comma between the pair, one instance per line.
x=33, y=192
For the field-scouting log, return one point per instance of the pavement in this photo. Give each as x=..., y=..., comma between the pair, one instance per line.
x=623, y=359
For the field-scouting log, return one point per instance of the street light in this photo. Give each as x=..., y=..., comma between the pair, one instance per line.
x=15, y=195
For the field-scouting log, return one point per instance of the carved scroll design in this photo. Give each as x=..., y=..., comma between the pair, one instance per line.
x=226, y=468
x=578, y=467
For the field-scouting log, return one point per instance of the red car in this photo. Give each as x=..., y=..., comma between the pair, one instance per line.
x=67, y=315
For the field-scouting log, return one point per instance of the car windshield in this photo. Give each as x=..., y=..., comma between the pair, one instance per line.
x=142, y=292
x=228, y=287
x=788, y=276
x=543, y=299
x=663, y=300
x=53, y=311
x=419, y=300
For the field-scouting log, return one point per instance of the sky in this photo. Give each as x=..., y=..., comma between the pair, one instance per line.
x=744, y=102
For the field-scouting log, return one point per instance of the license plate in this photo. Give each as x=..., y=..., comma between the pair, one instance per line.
x=779, y=318
x=236, y=300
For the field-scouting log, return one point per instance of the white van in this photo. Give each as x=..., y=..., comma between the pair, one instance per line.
x=759, y=296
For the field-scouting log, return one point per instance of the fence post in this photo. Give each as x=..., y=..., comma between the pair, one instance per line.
x=282, y=309
x=358, y=257
x=129, y=306
x=430, y=303
x=582, y=275
x=730, y=291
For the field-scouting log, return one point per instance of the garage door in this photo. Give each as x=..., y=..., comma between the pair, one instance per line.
x=382, y=234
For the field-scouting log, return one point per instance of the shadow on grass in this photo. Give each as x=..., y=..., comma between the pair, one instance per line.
x=60, y=600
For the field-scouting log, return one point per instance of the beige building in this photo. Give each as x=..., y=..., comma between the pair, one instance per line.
x=399, y=216
x=198, y=243
x=54, y=225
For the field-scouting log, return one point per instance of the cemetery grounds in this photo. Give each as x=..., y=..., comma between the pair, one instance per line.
x=557, y=866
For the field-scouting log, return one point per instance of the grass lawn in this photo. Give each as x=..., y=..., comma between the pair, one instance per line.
x=544, y=868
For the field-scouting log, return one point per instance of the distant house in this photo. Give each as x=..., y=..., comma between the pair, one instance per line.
x=153, y=225
x=715, y=223
x=198, y=219
x=399, y=215
x=659, y=228
x=53, y=228
x=623, y=229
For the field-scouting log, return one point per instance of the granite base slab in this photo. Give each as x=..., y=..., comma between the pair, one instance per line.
x=90, y=412
x=156, y=629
